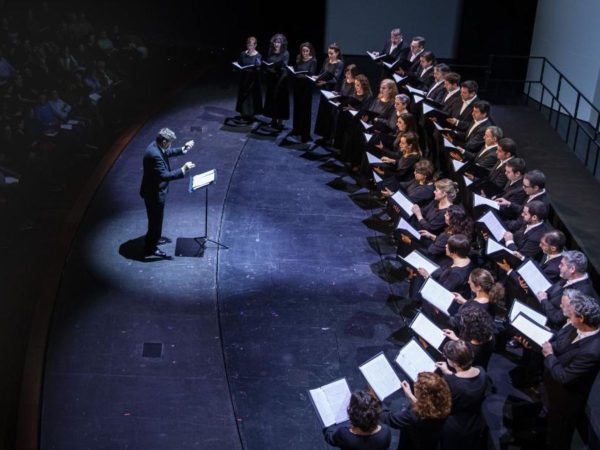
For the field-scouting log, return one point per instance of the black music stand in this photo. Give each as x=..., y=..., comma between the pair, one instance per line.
x=197, y=182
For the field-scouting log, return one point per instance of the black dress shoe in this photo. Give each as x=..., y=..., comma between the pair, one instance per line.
x=164, y=240
x=159, y=254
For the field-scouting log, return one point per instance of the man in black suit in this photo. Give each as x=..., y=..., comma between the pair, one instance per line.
x=534, y=183
x=485, y=156
x=155, y=185
x=471, y=140
x=572, y=271
x=452, y=100
x=468, y=94
x=395, y=48
x=437, y=91
x=513, y=192
x=572, y=361
x=526, y=240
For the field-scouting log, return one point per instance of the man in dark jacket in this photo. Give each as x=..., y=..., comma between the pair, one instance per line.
x=155, y=185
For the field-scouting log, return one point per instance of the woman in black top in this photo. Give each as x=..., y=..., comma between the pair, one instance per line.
x=303, y=90
x=277, y=98
x=249, y=99
x=359, y=100
x=328, y=79
x=346, y=92
x=431, y=218
x=464, y=428
x=401, y=169
x=365, y=432
x=421, y=422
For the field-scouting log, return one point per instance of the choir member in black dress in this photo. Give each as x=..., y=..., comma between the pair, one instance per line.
x=346, y=92
x=420, y=423
x=464, y=429
x=303, y=91
x=474, y=319
x=400, y=169
x=277, y=97
x=431, y=218
x=361, y=98
x=388, y=145
x=419, y=190
x=249, y=99
x=380, y=108
x=329, y=78
x=365, y=432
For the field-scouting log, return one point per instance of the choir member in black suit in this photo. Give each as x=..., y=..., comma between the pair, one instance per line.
x=534, y=183
x=422, y=77
x=277, y=98
x=365, y=432
x=437, y=91
x=465, y=427
x=513, y=192
x=249, y=99
x=329, y=78
x=394, y=48
x=505, y=151
x=303, y=91
x=417, y=47
x=452, y=101
x=572, y=361
x=420, y=423
x=526, y=240
x=471, y=140
x=572, y=270
x=485, y=156
x=468, y=94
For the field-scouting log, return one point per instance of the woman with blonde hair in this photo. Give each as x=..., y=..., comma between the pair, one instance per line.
x=431, y=218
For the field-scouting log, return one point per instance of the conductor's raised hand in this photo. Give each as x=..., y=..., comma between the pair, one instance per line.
x=187, y=167
x=187, y=146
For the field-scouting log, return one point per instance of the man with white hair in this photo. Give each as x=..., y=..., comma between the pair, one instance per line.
x=155, y=185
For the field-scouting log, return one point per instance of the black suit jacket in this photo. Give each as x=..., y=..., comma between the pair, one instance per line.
x=516, y=210
x=551, y=306
x=452, y=104
x=465, y=119
x=400, y=52
x=515, y=194
x=528, y=244
x=484, y=157
x=571, y=370
x=438, y=93
x=473, y=141
x=158, y=173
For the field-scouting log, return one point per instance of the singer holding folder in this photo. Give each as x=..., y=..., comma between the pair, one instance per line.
x=155, y=185
x=365, y=432
x=249, y=99
x=306, y=65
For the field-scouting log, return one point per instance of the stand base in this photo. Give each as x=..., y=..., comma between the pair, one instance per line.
x=194, y=247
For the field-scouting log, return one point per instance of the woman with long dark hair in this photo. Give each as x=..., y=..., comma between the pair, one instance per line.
x=328, y=79
x=277, y=97
x=303, y=91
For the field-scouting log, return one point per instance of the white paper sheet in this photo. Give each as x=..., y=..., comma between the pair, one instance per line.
x=417, y=260
x=404, y=225
x=413, y=360
x=203, y=179
x=456, y=165
x=427, y=330
x=381, y=376
x=367, y=136
x=468, y=182
x=519, y=307
x=373, y=159
x=478, y=200
x=493, y=247
x=331, y=401
x=493, y=224
x=532, y=330
x=436, y=294
x=533, y=277
x=403, y=202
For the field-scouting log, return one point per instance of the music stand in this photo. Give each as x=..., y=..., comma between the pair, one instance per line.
x=203, y=181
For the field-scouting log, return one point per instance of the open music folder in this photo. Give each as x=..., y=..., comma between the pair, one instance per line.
x=331, y=402
x=417, y=260
x=534, y=277
x=413, y=360
x=493, y=224
x=380, y=375
x=520, y=307
x=428, y=330
x=436, y=294
x=202, y=179
x=532, y=331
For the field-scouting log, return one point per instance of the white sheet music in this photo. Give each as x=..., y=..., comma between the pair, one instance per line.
x=532, y=330
x=373, y=159
x=331, y=401
x=398, y=78
x=365, y=125
x=493, y=224
x=493, y=247
x=519, y=307
x=336, y=104
x=533, y=277
x=375, y=55
x=236, y=65
x=404, y=225
x=479, y=200
x=412, y=90
x=328, y=94
x=428, y=109
x=456, y=165
x=427, y=330
x=417, y=260
x=376, y=177
x=448, y=144
x=353, y=112
x=203, y=179
x=467, y=181
x=403, y=202
x=436, y=294
x=367, y=136
x=381, y=376
x=418, y=98
x=413, y=360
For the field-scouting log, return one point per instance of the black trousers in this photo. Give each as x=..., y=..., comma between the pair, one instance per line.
x=155, y=211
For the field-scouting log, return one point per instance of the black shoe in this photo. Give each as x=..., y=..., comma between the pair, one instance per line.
x=164, y=240
x=158, y=253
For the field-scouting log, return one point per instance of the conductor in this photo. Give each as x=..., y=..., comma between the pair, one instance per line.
x=155, y=185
